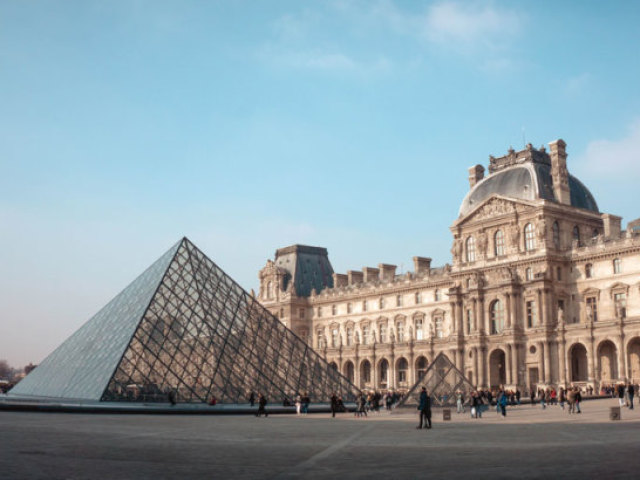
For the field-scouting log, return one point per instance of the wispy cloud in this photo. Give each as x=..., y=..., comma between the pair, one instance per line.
x=470, y=25
x=615, y=158
x=482, y=31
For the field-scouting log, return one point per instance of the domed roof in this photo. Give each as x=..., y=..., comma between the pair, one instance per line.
x=526, y=181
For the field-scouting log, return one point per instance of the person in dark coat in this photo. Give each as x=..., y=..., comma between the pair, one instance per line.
x=252, y=399
x=262, y=402
x=334, y=405
x=425, y=409
x=632, y=391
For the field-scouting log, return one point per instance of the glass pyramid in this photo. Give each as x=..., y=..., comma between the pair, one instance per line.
x=184, y=328
x=442, y=380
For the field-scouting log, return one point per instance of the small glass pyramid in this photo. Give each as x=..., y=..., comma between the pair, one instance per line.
x=443, y=380
x=184, y=328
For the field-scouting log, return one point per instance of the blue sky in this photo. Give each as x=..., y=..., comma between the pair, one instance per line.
x=248, y=126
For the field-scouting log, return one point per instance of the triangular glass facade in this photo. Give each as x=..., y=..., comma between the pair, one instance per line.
x=442, y=380
x=196, y=333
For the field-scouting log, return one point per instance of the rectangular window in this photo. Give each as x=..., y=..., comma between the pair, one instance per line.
x=532, y=314
x=302, y=313
x=349, y=336
x=418, y=298
x=399, y=301
x=469, y=320
x=559, y=273
x=383, y=333
x=592, y=309
x=400, y=330
x=364, y=305
x=620, y=303
x=419, y=329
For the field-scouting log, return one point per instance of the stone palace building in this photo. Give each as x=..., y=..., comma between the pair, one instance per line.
x=543, y=289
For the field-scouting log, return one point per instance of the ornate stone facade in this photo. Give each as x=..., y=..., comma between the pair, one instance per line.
x=543, y=289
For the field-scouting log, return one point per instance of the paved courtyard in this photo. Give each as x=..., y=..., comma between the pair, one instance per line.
x=529, y=443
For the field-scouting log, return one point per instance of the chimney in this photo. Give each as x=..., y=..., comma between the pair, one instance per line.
x=370, y=274
x=476, y=174
x=354, y=277
x=387, y=272
x=340, y=280
x=612, y=226
x=559, y=172
x=421, y=265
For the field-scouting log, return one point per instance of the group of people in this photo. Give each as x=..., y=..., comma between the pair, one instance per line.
x=375, y=401
x=262, y=403
x=572, y=396
x=625, y=393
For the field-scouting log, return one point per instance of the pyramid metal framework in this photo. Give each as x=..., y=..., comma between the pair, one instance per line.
x=184, y=328
x=442, y=380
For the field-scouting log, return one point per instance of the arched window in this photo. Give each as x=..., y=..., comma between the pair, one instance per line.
x=471, y=249
x=269, y=290
x=403, y=367
x=588, y=270
x=497, y=317
x=595, y=233
x=335, y=337
x=529, y=237
x=576, y=235
x=616, y=265
x=498, y=242
x=421, y=366
x=556, y=234
x=529, y=274
x=320, y=339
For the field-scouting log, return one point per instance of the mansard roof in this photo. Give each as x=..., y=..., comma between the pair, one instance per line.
x=526, y=176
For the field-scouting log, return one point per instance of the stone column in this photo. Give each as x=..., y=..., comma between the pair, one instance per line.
x=459, y=318
x=391, y=381
x=412, y=377
x=514, y=309
x=591, y=361
x=507, y=366
x=543, y=311
x=507, y=298
x=481, y=321
x=547, y=362
x=475, y=367
x=454, y=316
x=475, y=315
x=541, y=367
x=487, y=372
x=356, y=371
x=515, y=364
x=562, y=360
x=622, y=365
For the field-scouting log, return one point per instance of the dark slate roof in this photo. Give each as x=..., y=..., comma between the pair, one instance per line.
x=527, y=181
x=308, y=268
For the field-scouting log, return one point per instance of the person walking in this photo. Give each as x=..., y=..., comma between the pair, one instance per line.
x=425, y=409
x=502, y=402
x=252, y=399
x=298, y=403
x=621, y=394
x=459, y=402
x=532, y=395
x=562, y=397
x=306, y=400
x=631, y=390
x=262, y=403
x=578, y=400
x=571, y=400
x=334, y=405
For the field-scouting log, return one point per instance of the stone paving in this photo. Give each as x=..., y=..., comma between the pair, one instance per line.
x=528, y=443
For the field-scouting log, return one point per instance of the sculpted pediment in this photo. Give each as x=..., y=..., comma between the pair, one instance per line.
x=494, y=206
